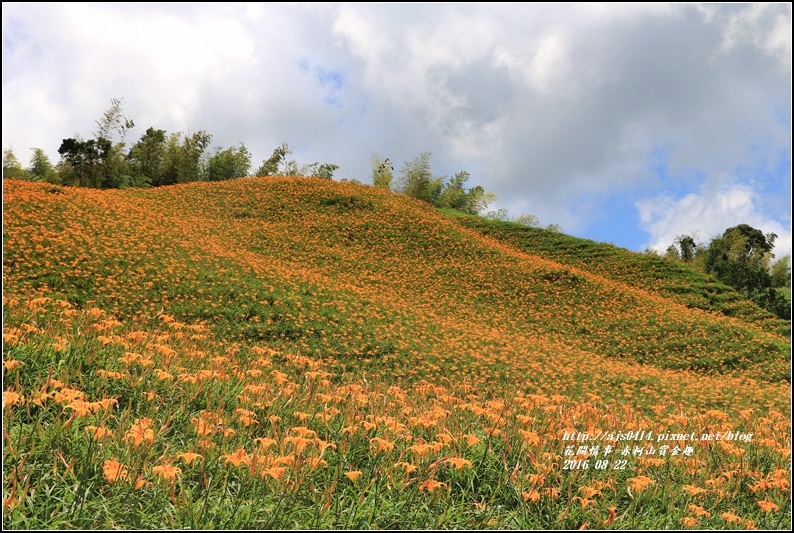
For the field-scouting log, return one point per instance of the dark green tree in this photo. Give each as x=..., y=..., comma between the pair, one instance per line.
x=453, y=194
x=741, y=257
x=744, y=244
x=84, y=162
x=687, y=247
x=229, y=163
x=147, y=158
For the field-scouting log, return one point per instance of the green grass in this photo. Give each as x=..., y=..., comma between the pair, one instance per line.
x=339, y=357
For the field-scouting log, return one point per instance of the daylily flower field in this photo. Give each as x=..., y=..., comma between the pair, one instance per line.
x=303, y=353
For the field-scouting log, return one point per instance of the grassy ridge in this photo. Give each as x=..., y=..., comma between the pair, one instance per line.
x=673, y=280
x=337, y=356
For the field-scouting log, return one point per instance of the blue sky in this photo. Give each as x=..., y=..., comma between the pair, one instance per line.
x=624, y=123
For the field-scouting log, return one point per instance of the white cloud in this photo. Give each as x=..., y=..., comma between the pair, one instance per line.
x=546, y=105
x=765, y=26
x=707, y=214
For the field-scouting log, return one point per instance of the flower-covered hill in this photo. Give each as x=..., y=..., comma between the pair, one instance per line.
x=677, y=281
x=296, y=334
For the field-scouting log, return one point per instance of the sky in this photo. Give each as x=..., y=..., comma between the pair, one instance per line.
x=621, y=123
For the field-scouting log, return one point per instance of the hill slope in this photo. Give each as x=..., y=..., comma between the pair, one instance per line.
x=430, y=322
x=676, y=281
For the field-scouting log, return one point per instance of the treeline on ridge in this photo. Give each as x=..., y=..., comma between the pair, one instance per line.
x=742, y=258
x=159, y=159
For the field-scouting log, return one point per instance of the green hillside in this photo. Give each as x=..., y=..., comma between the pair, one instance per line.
x=303, y=353
x=679, y=282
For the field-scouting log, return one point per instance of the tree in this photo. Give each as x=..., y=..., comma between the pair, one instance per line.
x=41, y=168
x=743, y=244
x=417, y=181
x=113, y=120
x=673, y=253
x=382, y=171
x=184, y=158
x=556, y=228
x=98, y=162
x=324, y=171
x=271, y=166
x=453, y=194
x=687, y=247
x=740, y=257
x=12, y=169
x=530, y=221
x=501, y=214
x=477, y=200
x=147, y=158
x=229, y=163
x=84, y=161
x=780, y=272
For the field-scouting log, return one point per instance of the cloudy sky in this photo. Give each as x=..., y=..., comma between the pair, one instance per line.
x=625, y=123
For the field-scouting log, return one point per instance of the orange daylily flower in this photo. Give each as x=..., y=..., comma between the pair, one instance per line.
x=459, y=462
x=640, y=483
x=167, y=471
x=353, y=475
x=113, y=471
x=189, y=457
x=141, y=432
x=767, y=506
x=431, y=485
x=531, y=495
x=237, y=457
x=98, y=432
x=693, y=490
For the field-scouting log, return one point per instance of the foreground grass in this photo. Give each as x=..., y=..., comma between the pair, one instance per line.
x=266, y=354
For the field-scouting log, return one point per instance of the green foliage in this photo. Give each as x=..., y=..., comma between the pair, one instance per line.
x=773, y=301
x=12, y=169
x=148, y=156
x=780, y=272
x=324, y=171
x=184, y=158
x=740, y=258
x=229, y=163
x=98, y=162
x=743, y=244
x=687, y=246
x=454, y=195
x=278, y=165
x=277, y=161
x=530, y=221
x=417, y=180
x=382, y=171
x=84, y=162
x=500, y=214
x=41, y=168
x=113, y=121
